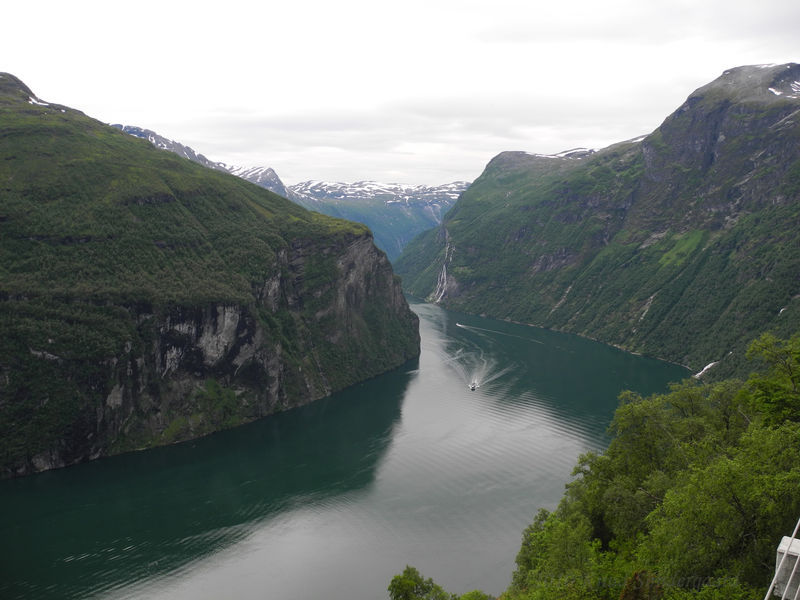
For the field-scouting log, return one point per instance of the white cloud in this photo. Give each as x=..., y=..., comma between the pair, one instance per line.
x=420, y=91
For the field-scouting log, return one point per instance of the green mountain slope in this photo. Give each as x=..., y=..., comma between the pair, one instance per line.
x=145, y=299
x=681, y=245
x=395, y=213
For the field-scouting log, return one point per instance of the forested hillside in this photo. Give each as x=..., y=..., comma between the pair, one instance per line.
x=681, y=245
x=395, y=213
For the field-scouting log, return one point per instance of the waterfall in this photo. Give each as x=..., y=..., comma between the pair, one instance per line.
x=441, y=282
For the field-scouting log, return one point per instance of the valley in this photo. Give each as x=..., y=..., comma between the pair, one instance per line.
x=249, y=381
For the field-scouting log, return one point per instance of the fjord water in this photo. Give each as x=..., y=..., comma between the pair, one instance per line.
x=332, y=499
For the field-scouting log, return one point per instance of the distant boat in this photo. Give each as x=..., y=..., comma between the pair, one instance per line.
x=473, y=385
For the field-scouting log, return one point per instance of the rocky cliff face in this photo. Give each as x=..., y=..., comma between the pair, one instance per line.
x=725, y=151
x=185, y=371
x=145, y=299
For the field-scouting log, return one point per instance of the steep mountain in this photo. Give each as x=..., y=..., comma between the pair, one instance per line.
x=159, y=141
x=145, y=299
x=263, y=176
x=682, y=244
x=394, y=212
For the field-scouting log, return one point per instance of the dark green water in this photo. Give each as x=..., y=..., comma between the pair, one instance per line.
x=333, y=499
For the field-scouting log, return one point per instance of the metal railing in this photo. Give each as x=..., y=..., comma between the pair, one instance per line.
x=779, y=580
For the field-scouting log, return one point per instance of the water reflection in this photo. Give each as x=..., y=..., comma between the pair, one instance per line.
x=333, y=499
x=574, y=379
x=90, y=528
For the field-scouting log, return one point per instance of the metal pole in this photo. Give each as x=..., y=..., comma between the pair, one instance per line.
x=791, y=575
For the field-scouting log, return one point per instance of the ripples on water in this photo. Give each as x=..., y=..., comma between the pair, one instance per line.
x=333, y=499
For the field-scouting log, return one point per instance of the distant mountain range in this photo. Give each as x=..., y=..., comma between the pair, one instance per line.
x=395, y=213
x=682, y=244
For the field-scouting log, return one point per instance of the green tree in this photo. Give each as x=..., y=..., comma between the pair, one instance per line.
x=727, y=516
x=776, y=392
x=411, y=585
x=476, y=595
x=642, y=586
x=717, y=589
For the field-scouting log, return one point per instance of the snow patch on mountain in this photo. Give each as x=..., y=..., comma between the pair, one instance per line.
x=792, y=91
x=263, y=176
x=388, y=193
x=572, y=154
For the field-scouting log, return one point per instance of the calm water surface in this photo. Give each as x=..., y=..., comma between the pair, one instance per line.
x=333, y=499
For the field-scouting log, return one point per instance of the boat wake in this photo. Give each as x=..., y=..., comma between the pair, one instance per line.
x=496, y=332
x=483, y=372
x=475, y=369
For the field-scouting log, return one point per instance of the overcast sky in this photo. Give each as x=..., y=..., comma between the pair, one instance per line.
x=418, y=91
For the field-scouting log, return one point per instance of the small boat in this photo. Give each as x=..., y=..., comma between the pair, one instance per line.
x=473, y=385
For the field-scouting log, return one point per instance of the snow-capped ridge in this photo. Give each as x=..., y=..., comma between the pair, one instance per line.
x=316, y=190
x=252, y=174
